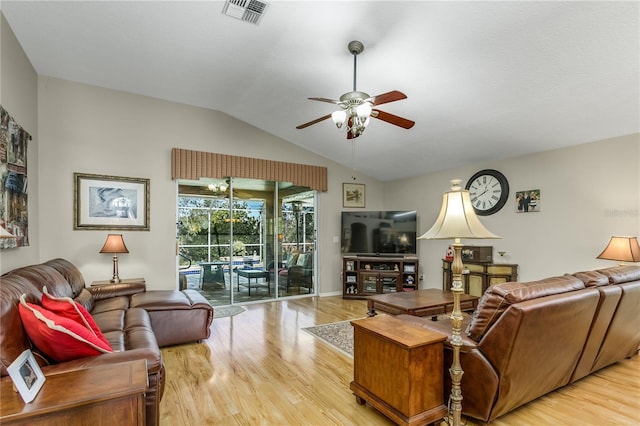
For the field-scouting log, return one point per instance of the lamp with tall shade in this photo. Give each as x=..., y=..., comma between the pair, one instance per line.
x=456, y=220
x=115, y=245
x=622, y=249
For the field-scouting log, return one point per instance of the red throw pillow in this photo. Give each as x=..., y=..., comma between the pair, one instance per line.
x=66, y=307
x=59, y=338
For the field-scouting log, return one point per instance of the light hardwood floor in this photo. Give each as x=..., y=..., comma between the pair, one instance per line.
x=261, y=368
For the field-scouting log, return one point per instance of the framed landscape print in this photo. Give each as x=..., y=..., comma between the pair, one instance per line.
x=353, y=195
x=110, y=203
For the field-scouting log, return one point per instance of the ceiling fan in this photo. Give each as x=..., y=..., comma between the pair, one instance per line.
x=357, y=107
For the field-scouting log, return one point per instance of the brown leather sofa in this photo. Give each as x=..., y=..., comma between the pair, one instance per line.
x=527, y=339
x=135, y=322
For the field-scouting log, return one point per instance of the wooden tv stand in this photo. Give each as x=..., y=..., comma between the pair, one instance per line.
x=364, y=276
x=398, y=370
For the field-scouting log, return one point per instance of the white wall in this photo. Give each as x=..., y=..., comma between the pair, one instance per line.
x=589, y=192
x=93, y=130
x=19, y=96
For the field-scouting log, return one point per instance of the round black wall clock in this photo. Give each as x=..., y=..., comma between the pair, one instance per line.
x=489, y=191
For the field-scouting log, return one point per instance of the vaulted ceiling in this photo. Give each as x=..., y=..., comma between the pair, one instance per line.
x=484, y=80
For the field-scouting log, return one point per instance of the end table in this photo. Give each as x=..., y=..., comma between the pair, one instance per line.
x=398, y=370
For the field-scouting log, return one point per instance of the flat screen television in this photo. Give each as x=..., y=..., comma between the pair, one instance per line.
x=379, y=232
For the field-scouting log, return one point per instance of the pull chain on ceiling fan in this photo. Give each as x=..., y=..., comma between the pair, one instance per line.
x=357, y=107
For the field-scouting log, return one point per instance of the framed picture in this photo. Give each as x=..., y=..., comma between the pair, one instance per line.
x=26, y=375
x=410, y=268
x=110, y=203
x=353, y=195
x=528, y=201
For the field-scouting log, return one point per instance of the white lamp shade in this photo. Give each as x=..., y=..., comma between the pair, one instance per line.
x=339, y=117
x=457, y=219
x=364, y=110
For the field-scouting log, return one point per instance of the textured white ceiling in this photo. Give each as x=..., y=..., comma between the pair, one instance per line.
x=484, y=80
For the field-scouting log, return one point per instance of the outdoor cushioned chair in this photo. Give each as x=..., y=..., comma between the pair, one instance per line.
x=299, y=273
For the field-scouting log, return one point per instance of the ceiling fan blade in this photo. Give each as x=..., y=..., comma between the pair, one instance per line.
x=317, y=120
x=331, y=101
x=391, y=96
x=393, y=119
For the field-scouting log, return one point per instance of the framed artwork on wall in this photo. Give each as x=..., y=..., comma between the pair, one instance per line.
x=353, y=195
x=14, y=211
x=528, y=201
x=110, y=203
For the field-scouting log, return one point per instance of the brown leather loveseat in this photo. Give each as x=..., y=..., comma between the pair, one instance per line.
x=135, y=322
x=527, y=339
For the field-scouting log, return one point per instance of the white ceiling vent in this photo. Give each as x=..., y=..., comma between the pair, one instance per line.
x=245, y=10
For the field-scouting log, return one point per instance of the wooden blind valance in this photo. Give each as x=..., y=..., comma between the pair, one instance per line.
x=192, y=165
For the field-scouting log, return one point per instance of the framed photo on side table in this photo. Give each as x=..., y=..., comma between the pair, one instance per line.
x=110, y=203
x=26, y=376
x=353, y=195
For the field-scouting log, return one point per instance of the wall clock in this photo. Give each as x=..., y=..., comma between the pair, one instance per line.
x=489, y=191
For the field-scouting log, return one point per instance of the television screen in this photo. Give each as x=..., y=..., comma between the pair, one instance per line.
x=379, y=232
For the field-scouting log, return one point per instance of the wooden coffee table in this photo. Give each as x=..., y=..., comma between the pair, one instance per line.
x=420, y=303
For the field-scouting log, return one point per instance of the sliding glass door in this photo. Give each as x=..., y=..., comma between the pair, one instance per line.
x=246, y=240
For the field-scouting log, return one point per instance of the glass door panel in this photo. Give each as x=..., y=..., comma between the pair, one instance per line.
x=297, y=241
x=246, y=240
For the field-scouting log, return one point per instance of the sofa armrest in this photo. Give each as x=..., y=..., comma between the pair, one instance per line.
x=105, y=291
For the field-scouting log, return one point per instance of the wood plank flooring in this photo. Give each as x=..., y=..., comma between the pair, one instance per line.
x=261, y=368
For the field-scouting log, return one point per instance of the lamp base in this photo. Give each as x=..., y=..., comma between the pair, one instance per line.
x=116, y=278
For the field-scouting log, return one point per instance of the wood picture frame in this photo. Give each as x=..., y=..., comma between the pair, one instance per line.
x=115, y=203
x=353, y=195
x=26, y=376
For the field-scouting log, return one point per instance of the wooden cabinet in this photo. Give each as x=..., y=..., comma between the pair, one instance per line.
x=398, y=370
x=104, y=395
x=478, y=276
x=365, y=276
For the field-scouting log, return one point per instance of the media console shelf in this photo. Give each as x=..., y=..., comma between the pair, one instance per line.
x=364, y=276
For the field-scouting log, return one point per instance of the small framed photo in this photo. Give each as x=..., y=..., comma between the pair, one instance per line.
x=410, y=268
x=110, y=203
x=528, y=201
x=351, y=278
x=26, y=375
x=353, y=195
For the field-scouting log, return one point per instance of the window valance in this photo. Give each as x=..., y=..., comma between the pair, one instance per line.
x=192, y=165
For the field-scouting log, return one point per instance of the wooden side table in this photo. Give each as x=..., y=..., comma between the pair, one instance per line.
x=104, y=395
x=123, y=281
x=398, y=370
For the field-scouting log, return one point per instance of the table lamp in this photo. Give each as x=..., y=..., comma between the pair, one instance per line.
x=457, y=220
x=115, y=245
x=622, y=249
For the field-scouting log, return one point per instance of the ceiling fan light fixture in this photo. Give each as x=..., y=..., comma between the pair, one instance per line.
x=339, y=118
x=364, y=110
x=218, y=189
x=357, y=106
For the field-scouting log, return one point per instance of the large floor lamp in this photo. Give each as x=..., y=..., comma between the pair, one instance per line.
x=457, y=220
